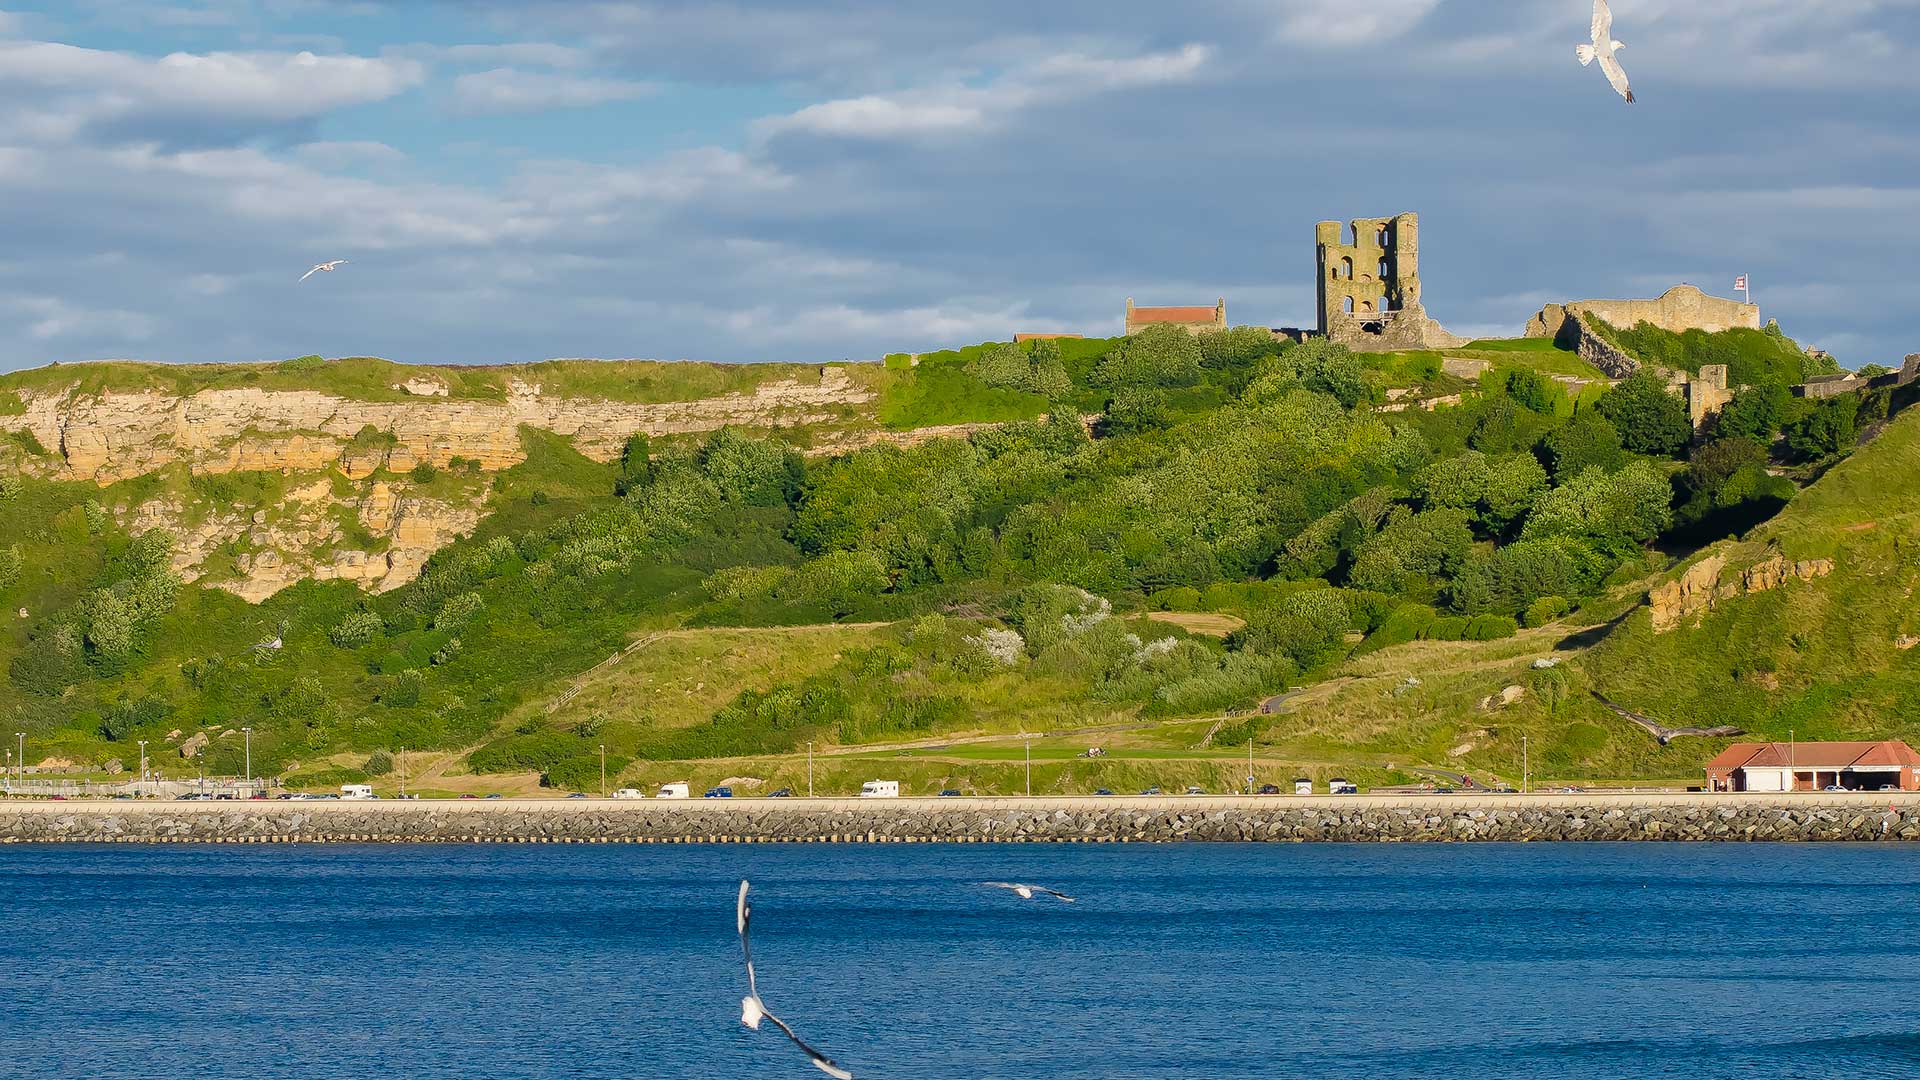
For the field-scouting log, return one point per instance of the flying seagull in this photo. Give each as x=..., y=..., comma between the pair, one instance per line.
x=753, y=1010
x=1025, y=892
x=323, y=268
x=1604, y=48
x=1662, y=732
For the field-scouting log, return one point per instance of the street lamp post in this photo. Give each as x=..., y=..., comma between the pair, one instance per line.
x=1525, y=763
x=402, y=766
x=247, y=732
x=1029, y=768
x=20, y=759
x=143, y=764
x=809, y=770
x=603, y=770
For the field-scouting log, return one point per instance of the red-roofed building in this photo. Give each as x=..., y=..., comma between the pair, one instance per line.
x=1798, y=766
x=1194, y=320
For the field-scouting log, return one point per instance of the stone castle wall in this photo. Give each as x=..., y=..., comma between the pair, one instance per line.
x=1679, y=309
x=1427, y=818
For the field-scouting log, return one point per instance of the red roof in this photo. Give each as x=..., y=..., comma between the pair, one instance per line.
x=1814, y=755
x=1175, y=314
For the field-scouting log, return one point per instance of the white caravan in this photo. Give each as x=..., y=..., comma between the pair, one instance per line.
x=677, y=790
x=357, y=792
x=880, y=789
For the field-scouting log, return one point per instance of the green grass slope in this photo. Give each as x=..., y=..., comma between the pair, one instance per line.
x=1822, y=659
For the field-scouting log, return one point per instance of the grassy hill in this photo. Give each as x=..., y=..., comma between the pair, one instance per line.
x=927, y=611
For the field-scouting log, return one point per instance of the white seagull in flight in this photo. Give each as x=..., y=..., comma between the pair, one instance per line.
x=1025, y=892
x=323, y=268
x=753, y=1010
x=1604, y=48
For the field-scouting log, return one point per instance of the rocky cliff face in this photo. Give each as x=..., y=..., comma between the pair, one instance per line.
x=1706, y=584
x=109, y=436
x=345, y=513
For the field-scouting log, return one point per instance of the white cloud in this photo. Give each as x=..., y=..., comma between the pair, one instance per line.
x=48, y=317
x=1342, y=22
x=515, y=90
x=337, y=155
x=961, y=108
x=836, y=323
x=79, y=86
x=526, y=53
x=9, y=23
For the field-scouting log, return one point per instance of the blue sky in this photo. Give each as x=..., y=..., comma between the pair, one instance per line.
x=739, y=180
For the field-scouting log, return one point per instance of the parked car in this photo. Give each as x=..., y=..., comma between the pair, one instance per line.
x=1196, y=789
x=496, y=795
x=949, y=794
x=1151, y=791
x=1835, y=787
x=194, y=796
x=1442, y=791
x=718, y=793
x=629, y=793
x=469, y=795
x=1269, y=789
x=1340, y=785
x=1103, y=791
x=578, y=795
x=781, y=793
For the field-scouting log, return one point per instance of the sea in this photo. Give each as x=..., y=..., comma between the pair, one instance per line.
x=1558, y=962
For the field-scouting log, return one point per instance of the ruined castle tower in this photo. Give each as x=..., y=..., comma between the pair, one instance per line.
x=1369, y=275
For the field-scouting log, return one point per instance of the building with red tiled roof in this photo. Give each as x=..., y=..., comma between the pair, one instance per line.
x=1815, y=766
x=1194, y=320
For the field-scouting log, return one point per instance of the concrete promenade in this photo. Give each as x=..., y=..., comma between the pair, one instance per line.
x=1861, y=817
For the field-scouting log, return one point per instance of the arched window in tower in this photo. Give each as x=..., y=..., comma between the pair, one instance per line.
x=1383, y=236
x=1346, y=268
x=1349, y=305
x=1384, y=272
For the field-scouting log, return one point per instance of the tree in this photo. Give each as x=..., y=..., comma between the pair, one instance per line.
x=1534, y=390
x=1725, y=488
x=1649, y=418
x=636, y=464
x=1616, y=513
x=1238, y=347
x=1305, y=627
x=1159, y=356
x=1514, y=483
x=1756, y=413
x=745, y=470
x=1589, y=441
x=1134, y=410
x=1413, y=552
x=1828, y=428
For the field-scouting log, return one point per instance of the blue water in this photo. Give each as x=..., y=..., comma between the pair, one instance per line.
x=1552, y=961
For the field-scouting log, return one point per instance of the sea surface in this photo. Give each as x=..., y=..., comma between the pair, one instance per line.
x=1566, y=962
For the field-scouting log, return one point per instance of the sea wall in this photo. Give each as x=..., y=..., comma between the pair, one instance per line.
x=1696, y=817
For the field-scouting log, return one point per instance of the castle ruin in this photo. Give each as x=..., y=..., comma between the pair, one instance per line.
x=1369, y=275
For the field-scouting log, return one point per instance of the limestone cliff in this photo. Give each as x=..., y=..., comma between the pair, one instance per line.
x=109, y=436
x=342, y=507
x=1706, y=583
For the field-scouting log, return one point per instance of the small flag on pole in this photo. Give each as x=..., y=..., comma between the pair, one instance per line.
x=1740, y=283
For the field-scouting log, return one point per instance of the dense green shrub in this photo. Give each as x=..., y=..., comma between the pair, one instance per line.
x=1545, y=610
x=355, y=630
x=1306, y=628
x=1650, y=419
x=1490, y=628
x=1588, y=441
x=1616, y=513
x=1157, y=357
x=521, y=753
x=1407, y=622
x=423, y=473
x=1446, y=628
x=379, y=763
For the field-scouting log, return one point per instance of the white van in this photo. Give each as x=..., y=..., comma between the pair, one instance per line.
x=677, y=790
x=629, y=793
x=357, y=792
x=880, y=789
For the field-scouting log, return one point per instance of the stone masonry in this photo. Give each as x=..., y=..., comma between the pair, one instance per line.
x=1425, y=818
x=1369, y=286
x=1681, y=308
